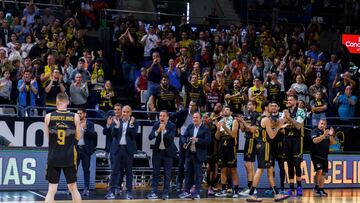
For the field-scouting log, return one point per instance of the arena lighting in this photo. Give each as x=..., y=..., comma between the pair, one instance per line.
x=352, y=42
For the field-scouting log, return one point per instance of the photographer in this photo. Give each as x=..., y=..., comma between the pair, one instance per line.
x=322, y=137
x=344, y=80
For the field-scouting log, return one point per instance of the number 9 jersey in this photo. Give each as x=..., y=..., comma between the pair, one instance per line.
x=62, y=141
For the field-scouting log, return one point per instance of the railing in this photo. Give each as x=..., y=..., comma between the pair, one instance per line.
x=11, y=110
x=37, y=111
x=36, y=3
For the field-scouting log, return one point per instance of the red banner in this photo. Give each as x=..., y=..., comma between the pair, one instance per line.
x=352, y=42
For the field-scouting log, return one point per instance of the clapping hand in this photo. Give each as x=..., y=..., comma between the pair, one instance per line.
x=109, y=120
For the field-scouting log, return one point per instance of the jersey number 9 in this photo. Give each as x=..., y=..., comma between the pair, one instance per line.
x=61, y=137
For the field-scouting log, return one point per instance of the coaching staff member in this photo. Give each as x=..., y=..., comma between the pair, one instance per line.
x=197, y=137
x=123, y=148
x=164, y=151
x=86, y=147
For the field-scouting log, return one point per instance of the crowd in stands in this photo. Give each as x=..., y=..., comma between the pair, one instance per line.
x=42, y=55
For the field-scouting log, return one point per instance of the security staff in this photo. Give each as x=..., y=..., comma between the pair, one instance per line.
x=123, y=148
x=86, y=147
x=164, y=151
x=322, y=137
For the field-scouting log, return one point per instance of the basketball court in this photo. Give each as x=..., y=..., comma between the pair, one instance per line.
x=335, y=195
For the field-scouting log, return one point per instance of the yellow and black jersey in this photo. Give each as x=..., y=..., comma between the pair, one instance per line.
x=62, y=129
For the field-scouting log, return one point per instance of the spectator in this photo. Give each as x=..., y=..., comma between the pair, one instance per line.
x=48, y=69
x=26, y=46
x=28, y=90
x=39, y=50
x=53, y=87
x=220, y=58
x=67, y=68
x=185, y=41
x=128, y=60
x=185, y=64
x=346, y=106
x=204, y=58
x=273, y=86
x=154, y=74
x=3, y=57
x=12, y=42
x=342, y=81
x=5, y=88
x=5, y=32
x=258, y=94
x=15, y=52
x=141, y=84
x=301, y=89
x=106, y=97
x=174, y=74
x=38, y=70
x=315, y=54
x=258, y=70
x=317, y=87
x=47, y=18
x=202, y=42
x=148, y=41
x=333, y=69
x=85, y=75
x=318, y=107
x=29, y=12
x=79, y=92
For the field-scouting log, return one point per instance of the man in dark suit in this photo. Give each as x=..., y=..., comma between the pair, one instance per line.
x=182, y=119
x=164, y=151
x=123, y=148
x=196, y=139
x=5, y=32
x=86, y=147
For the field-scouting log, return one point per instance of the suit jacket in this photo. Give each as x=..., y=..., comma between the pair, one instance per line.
x=168, y=138
x=90, y=138
x=204, y=139
x=2, y=35
x=179, y=117
x=116, y=134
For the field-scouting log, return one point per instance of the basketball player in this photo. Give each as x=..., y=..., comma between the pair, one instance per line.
x=248, y=125
x=264, y=133
x=293, y=142
x=227, y=130
x=63, y=131
x=277, y=145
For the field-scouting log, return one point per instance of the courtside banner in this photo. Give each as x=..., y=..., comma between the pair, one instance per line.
x=344, y=172
x=24, y=168
x=352, y=43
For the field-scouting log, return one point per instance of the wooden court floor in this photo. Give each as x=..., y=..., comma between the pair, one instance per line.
x=335, y=196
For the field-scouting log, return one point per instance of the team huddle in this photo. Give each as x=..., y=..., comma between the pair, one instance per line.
x=211, y=138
